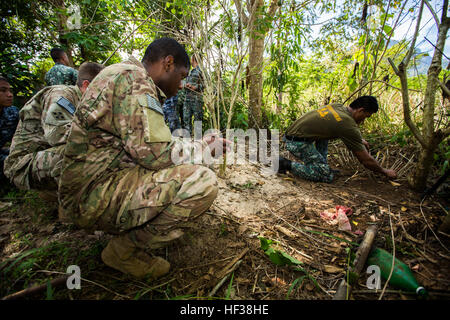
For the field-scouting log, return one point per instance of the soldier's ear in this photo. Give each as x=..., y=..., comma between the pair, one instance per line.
x=84, y=85
x=168, y=62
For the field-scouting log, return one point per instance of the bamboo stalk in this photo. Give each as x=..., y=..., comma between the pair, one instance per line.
x=344, y=288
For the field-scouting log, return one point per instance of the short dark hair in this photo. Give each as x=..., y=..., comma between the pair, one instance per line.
x=164, y=47
x=368, y=103
x=57, y=54
x=88, y=71
x=4, y=79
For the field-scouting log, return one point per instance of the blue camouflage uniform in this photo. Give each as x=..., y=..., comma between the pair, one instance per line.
x=9, y=117
x=193, y=104
x=314, y=156
x=171, y=113
x=61, y=74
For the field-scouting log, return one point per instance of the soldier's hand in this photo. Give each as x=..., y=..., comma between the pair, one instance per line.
x=366, y=144
x=390, y=173
x=217, y=145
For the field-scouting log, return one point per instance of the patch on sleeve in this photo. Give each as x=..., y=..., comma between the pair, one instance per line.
x=155, y=128
x=154, y=104
x=66, y=104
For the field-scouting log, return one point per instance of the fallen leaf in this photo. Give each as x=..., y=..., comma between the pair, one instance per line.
x=355, y=223
x=332, y=269
x=395, y=184
x=404, y=209
x=416, y=267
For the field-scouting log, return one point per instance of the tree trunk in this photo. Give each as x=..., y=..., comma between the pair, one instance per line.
x=255, y=65
x=418, y=178
x=427, y=137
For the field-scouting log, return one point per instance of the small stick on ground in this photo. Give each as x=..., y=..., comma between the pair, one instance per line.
x=36, y=289
x=221, y=282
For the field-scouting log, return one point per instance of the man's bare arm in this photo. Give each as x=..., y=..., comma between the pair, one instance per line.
x=370, y=163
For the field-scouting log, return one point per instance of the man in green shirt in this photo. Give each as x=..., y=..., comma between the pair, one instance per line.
x=307, y=139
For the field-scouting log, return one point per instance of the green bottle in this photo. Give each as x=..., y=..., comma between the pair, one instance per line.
x=402, y=276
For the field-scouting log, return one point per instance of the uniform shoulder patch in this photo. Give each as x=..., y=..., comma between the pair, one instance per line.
x=66, y=104
x=154, y=104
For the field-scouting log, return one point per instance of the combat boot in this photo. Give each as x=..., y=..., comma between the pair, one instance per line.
x=122, y=254
x=284, y=165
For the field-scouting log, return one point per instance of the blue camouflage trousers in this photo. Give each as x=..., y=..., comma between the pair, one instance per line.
x=171, y=113
x=314, y=157
x=193, y=106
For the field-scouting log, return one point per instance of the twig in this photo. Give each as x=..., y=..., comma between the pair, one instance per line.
x=393, y=255
x=437, y=238
x=354, y=175
x=89, y=281
x=158, y=286
x=206, y=264
x=408, y=236
x=437, y=48
x=32, y=290
x=221, y=282
x=121, y=44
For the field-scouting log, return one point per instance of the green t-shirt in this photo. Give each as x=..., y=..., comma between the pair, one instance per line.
x=330, y=122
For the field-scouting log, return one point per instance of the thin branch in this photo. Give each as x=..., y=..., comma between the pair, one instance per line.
x=437, y=48
x=241, y=13
x=121, y=44
x=432, y=12
x=416, y=32
x=444, y=88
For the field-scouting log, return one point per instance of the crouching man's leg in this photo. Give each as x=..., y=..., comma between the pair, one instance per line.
x=46, y=169
x=315, y=167
x=155, y=213
x=39, y=170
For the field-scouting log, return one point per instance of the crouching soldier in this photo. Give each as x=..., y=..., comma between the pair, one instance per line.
x=35, y=156
x=118, y=174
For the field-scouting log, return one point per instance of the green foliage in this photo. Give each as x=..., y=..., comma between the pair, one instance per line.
x=278, y=257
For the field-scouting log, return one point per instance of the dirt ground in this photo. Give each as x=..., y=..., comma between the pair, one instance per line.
x=220, y=256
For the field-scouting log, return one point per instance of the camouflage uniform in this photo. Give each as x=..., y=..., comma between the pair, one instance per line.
x=193, y=104
x=117, y=172
x=36, y=149
x=171, y=113
x=315, y=166
x=9, y=117
x=61, y=74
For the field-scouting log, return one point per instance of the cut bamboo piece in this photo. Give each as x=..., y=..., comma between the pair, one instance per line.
x=344, y=289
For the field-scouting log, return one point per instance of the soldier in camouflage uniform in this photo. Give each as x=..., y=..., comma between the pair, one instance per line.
x=307, y=139
x=118, y=174
x=36, y=149
x=9, y=117
x=193, y=103
x=60, y=73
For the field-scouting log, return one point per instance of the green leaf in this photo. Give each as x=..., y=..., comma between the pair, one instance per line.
x=278, y=257
x=387, y=29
